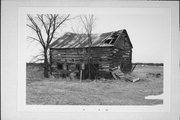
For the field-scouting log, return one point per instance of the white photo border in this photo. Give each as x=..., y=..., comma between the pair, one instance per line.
x=21, y=105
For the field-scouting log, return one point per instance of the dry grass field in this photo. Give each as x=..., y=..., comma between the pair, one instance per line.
x=58, y=91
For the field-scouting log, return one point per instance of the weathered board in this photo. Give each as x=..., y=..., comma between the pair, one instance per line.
x=117, y=51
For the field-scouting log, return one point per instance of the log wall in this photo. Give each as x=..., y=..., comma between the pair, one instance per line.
x=104, y=57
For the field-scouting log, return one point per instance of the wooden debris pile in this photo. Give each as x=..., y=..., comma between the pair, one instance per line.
x=118, y=74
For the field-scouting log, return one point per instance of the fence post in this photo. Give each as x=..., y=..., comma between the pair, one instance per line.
x=81, y=71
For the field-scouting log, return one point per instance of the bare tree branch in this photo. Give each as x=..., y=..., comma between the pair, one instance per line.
x=40, y=17
x=88, y=24
x=45, y=24
x=35, y=39
x=32, y=27
x=62, y=21
x=56, y=26
x=37, y=29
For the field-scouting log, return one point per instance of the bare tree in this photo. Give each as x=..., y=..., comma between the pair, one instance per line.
x=45, y=26
x=88, y=23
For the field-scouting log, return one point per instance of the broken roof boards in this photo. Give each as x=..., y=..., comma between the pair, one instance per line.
x=73, y=40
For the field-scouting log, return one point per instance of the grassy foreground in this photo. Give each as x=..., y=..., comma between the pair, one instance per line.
x=54, y=91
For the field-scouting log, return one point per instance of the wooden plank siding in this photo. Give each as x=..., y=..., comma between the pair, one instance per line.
x=104, y=58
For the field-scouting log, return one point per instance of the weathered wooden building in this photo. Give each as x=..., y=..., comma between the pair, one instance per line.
x=71, y=53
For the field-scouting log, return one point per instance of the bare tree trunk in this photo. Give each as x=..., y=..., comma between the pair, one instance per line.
x=46, y=65
x=89, y=55
x=89, y=72
x=88, y=24
x=45, y=24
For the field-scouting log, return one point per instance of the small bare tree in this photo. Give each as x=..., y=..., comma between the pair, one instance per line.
x=45, y=26
x=88, y=22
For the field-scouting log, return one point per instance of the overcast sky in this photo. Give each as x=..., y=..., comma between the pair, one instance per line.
x=148, y=29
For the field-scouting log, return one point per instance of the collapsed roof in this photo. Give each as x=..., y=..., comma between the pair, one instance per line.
x=73, y=40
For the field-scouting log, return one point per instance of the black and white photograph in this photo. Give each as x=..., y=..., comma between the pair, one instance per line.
x=90, y=60
x=96, y=59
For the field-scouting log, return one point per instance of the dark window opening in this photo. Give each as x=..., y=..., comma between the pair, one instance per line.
x=113, y=41
x=107, y=41
x=67, y=67
x=59, y=66
x=78, y=66
x=110, y=41
x=96, y=66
